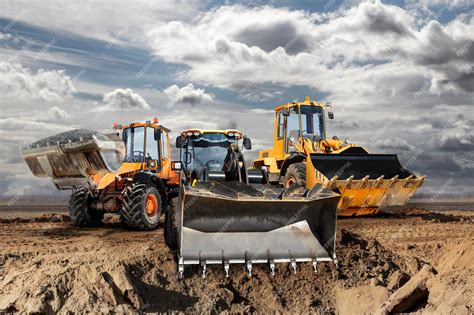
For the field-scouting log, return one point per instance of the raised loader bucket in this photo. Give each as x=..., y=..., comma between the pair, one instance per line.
x=232, y=222
x=71, y=157
x=367, y=182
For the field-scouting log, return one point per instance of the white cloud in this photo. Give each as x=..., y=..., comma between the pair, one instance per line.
x=260, y=111
x=364, y=49
x=18, y=82
x=124, y=99
x=58, y=113
x=98, y=19
x=188, y=95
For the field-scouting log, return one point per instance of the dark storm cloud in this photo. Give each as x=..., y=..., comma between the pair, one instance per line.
x=457, y=142
x=381, y=21
x=466, y=81
x=435, y=164
x=394, y=144
x=444, y=122
x=271, y=36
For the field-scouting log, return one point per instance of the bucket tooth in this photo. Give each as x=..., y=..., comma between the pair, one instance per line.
x=378, y=181
x=314, y=262
x=293, y=265
x=392, y=180
x=248, y=266
x=332, y=181
x=334, y=259
x=420, y=182
x=226, y=267
x=407, y=181
x=181, y=268
x=202, y=263
x=348, y=181
x=365, y=181
x=271, y=264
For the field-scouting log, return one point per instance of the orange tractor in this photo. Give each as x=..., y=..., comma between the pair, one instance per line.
x=132, y=176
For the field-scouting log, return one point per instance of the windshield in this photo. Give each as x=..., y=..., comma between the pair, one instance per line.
x=312, y=122
x=134, y=142
x=208, y=151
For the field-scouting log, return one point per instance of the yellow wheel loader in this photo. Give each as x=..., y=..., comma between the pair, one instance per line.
x=227, y=214
x=132, y=176
x=304, y=155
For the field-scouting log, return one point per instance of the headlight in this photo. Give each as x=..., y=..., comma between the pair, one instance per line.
x=230, y=134
x=196, y=133
x=190, y=133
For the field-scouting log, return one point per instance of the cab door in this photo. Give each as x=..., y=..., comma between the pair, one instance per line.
x=152, y=153
x=165, y=153
x=292, y=130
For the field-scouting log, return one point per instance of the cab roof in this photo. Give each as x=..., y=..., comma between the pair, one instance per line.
x=145, y=124
x=307, y=102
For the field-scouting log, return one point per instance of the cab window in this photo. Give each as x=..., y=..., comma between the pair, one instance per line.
x=164, y=145
x=281, y=125
x=134, y=143
x=151, y=145
x=292, y=128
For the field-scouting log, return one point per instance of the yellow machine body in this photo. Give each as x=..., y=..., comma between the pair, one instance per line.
x=367, y=182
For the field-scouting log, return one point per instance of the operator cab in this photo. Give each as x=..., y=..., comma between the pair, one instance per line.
x=205, y=151
x=145, y=143
x=301, y=120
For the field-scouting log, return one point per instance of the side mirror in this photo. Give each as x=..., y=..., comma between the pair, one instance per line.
x=247, y=143
x=286, y=112
x=179, y=142
x=331, y=115
x=157, y=135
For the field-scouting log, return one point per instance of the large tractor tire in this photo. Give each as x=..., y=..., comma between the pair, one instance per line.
x=296, y=174
x=171, y=229
x=81, y=213
x=142, y=207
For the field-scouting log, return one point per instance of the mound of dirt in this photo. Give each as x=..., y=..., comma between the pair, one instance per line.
x=132, y=277
x=366, y=259
x=49, y=266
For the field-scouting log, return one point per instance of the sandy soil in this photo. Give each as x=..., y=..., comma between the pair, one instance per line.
x=417, y=261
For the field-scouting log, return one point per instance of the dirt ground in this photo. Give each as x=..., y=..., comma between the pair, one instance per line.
x=416, y=261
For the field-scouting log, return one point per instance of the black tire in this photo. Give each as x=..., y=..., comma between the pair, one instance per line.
x=296, y=174
x=171, y=230
x=134, y=211
x=81, y=213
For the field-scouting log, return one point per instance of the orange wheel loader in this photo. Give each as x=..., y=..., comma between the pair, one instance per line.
x=132, y=176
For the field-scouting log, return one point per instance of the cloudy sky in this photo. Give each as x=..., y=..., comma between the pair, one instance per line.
x=399, y=74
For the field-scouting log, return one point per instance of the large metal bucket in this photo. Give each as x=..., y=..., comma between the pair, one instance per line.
x=71, y=158
x=232, y=222
x=367, y=182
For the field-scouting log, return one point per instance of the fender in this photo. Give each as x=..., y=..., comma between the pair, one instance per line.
x=292, y=159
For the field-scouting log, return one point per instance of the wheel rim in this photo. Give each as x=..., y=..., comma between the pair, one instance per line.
x=151, y=205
